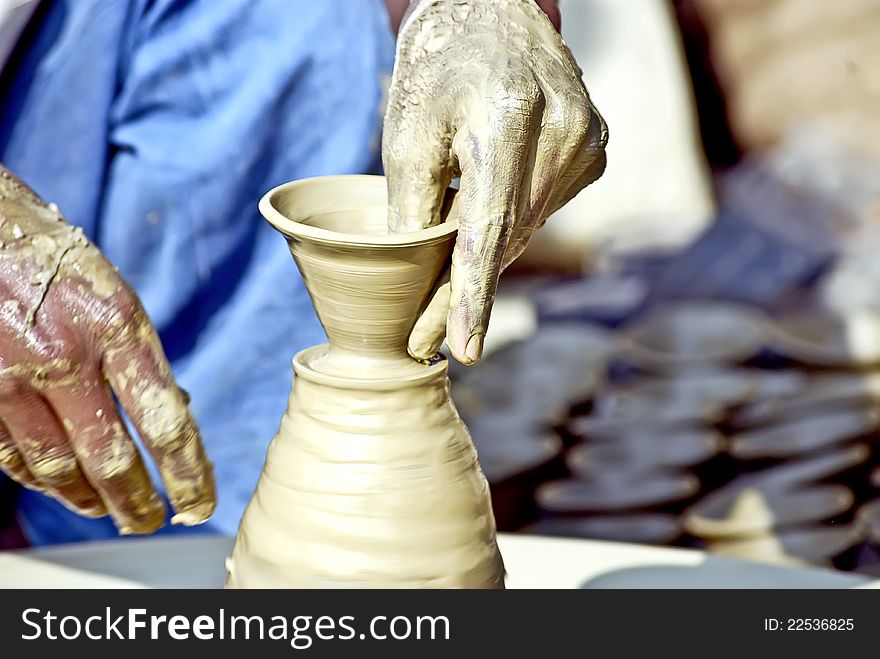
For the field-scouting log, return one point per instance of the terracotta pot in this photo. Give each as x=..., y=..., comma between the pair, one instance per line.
x=372, y=480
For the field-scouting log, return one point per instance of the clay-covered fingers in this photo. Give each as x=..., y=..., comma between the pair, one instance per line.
x=495, y=154
x=106, y=453
x=491, y=92
x=138, y=371
x=12, y=462
x=69, y=322
x=418, y=164
x=34, y=449
x=587, y=164
x=429, y=331
x=570, y=155
x=416, y=160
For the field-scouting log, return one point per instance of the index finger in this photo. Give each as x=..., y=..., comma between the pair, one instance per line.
x=495, y=156
x=415, y=157
x=136, y=366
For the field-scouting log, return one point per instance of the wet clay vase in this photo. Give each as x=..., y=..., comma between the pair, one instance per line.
x=372, y=480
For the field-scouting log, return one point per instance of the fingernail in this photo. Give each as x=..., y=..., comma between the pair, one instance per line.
x=93, y=511
x=139, y=518
x=474, y=349
x=424, y=351
x=194, y=516
x=139, y=526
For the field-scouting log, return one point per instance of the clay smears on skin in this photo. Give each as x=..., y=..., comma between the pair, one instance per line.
x=67, y=321
x=489, y=91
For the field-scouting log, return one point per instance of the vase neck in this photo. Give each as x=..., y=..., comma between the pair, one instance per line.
x=348, y=368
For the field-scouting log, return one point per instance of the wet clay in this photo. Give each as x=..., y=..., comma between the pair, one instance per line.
x=372, y=480
x=71, y=330
x=486, y=90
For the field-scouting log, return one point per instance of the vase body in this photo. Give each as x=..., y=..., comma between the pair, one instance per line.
x=372, y=480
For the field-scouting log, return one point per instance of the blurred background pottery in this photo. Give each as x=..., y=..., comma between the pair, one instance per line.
x=836, y=464
x=539, y=377
x=617, y=492
x=813, y=432
x=693, y=334
x=868, y=517
x=829, y=340
x=601, y=428
x=808, y=546
x=660, y=401
x=515, y=464
x=649, y=528
x=757, y=508
x=647, y=449
x=868, y=520
x=605, y=299
x=823, y=391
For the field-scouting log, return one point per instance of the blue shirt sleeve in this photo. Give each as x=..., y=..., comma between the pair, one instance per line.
x=213, y=103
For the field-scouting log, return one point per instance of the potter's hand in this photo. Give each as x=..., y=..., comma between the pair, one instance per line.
x=69, y=325
x=484, y=89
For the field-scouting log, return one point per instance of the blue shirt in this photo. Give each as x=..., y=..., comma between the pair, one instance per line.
x=156, y=125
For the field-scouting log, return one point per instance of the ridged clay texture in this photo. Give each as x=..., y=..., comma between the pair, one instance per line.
x=372, y=480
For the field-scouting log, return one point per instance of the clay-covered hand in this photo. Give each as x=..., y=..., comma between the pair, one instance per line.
x=484, y=89
x=73, y=334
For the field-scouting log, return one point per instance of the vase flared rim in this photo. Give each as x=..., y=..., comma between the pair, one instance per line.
x=300, y=230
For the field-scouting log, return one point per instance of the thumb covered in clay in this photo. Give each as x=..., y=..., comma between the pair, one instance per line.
x=486, y=90
x=76, y=351
x=486, y=214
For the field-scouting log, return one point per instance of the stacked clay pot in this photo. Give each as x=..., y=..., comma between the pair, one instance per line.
x=696, y=424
